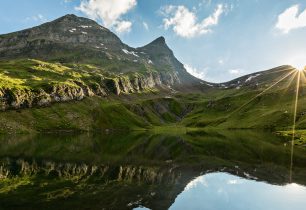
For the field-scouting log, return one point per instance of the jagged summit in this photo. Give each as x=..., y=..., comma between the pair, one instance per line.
x=68, y=37
x=159, y=41
x=76, y=20
x=73, y=39
x=72, y=16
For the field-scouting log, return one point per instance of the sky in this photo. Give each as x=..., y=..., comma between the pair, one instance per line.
x=216, y=40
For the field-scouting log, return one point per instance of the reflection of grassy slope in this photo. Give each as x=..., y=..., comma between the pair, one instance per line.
x=139, y=147
x=92, y=113
x=174, y=160
x=300, y=136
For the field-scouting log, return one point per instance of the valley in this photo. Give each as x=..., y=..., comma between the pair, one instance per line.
x=87, y=121
x=105, y=88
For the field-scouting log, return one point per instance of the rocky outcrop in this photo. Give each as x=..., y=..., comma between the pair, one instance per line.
x=157, y=185
x=20, y=167
x=26, y=98
x=77, y=90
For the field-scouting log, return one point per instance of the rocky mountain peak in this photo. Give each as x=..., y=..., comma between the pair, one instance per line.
x=73, y=39
x=60, y=36
x=158, y=45
x=70, y=16
x=73, y=20
x=159, y=41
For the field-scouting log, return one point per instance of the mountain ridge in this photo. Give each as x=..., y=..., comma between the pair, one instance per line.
x=123, y=87
x=75, y=57
x=159, y=42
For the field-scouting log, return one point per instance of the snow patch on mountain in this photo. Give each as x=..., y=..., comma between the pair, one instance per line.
x=85, y=26
x=72, y=30
x=130, y=52
x=251, y=77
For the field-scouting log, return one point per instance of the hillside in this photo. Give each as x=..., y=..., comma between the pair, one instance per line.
x=72, y=59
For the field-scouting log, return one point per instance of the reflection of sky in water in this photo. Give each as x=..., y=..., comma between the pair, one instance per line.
x=223, y=191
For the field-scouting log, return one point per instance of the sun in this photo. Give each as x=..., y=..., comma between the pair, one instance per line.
x=298, y=62
x=300, y=69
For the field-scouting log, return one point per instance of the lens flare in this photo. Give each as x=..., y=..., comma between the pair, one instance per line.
x=294, y=122
x=270, y=87
x=298, y=75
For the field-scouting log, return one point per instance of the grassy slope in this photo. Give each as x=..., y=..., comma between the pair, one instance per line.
x=219, y=108
x=93, y=113
x=229, y=108
x=35, y=74
x=143, y=111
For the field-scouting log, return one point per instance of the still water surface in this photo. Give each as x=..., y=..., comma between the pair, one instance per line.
x=225, y=191
x=225, y=170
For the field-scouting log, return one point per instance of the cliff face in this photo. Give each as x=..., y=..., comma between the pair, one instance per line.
x=64, y=34
x=27, y=98
x=10, y=168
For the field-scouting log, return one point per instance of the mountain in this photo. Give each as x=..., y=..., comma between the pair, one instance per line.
x=74, y=58
x=260, y=79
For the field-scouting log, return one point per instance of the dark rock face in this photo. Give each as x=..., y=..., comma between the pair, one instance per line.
x=49, y=39
x=162, y=57
x=159, y=185
x=21, y=167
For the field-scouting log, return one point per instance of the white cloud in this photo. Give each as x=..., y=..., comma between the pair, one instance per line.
x=145, y=25
x=123, y=26
x=235, y=181
x=195, y=72
x=37, y=18
x=235, y=71
x=221, y=62
x=185, y=22
x=199, y=181
x=110, y=12
x=291, y=19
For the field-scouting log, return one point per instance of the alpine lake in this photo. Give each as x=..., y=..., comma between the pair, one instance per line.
x=231, y=169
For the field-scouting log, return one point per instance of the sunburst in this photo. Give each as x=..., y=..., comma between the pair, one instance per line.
x=297, y=75
x=280, y=79
x=300, y=76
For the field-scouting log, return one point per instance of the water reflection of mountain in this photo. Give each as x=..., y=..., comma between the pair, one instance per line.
x=125, y=171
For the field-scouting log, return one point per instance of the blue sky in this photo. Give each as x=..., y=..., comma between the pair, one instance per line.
x=217, y=40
